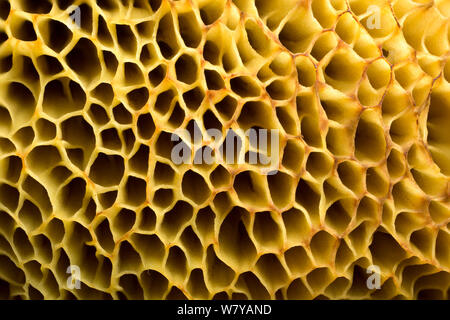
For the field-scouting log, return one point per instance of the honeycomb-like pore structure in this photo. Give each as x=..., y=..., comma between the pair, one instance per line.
x=91, y=92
